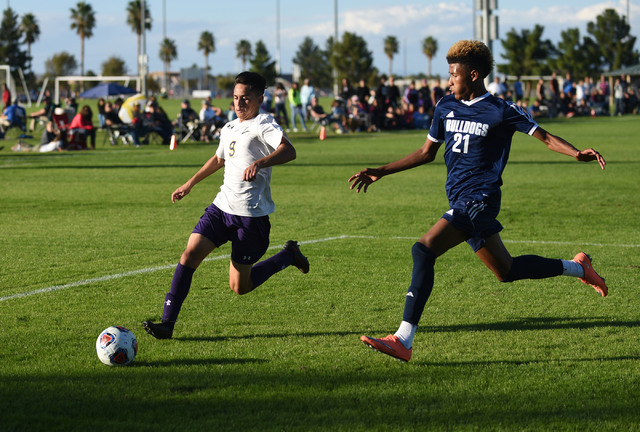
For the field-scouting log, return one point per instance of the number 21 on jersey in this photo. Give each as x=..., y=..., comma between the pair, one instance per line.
x=460, y=143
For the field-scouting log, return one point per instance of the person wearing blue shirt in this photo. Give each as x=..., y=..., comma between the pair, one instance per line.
x=13, y=115
x=475, y=129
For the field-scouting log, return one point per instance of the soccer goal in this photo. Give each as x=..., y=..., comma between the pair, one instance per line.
x=5, y=77
x=126, y=79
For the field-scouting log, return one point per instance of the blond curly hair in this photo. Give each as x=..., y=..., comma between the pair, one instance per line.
x=473, y=54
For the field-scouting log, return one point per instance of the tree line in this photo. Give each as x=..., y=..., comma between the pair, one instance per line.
x=608, y=45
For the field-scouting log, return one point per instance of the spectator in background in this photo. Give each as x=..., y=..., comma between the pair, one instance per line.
x=157, y=120
x=231, y=113
x=536, y=109
x=494, y=87
x=83, y=123
x=307, y=92
x=51, y=139
x=554, y=89
x=295, y=103
x=518, y=90
x=346, y=91
x=317, y=113
x=437, y=93
x=541, y=95
x=580, y=92
x=604, y=86
x=187, y=119
x=280, y=100
x=111, y=118
x=6, y=96
x=363, y=93
x=101, y=104
x=211, y=118
x=410, y=96
x=618, y=98
x=424, y=95
x=71, y=107
x=137, y=124
x=421, y=120
x=631, y=100
x=393, y=93
x=45, y=112
x=567, y=85
x=186, y=115
x=381, y=94
x=12, y=116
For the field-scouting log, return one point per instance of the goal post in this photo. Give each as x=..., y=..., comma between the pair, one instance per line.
x=8, y=79
x=75, y=78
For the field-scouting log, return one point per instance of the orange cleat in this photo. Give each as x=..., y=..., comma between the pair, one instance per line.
x=590, y=276
x=389, y=345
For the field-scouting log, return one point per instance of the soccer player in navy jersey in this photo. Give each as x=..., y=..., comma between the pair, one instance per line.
x=249, y=146
x=476, y=129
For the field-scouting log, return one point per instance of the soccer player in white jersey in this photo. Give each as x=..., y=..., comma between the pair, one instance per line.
x=249, y=147
x=476, y=129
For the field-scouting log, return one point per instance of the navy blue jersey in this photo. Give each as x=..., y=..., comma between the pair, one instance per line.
x=477, y=136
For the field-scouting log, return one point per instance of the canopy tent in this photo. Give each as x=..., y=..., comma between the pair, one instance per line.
x=105, y=90
x=629, y=71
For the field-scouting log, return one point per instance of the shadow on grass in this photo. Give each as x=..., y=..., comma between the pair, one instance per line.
x=263, y=336
x=197, y=362
x=535, y=323
x=558, y=361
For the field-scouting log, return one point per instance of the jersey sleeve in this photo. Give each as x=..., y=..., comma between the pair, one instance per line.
x=436, y=131
x=520, y=119
x=270, y=131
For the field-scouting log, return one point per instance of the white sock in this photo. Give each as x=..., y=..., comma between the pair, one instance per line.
x=405, y=333
x=572, y=268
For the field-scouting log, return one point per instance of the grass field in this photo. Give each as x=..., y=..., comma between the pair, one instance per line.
x=90, y=239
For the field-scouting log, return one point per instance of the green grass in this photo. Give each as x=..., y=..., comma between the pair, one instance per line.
x=531, y=356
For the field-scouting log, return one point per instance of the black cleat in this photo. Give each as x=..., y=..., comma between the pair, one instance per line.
x=158, y=331
x=299, y=260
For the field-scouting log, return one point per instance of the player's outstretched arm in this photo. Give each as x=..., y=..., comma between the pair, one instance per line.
x=283, y=154
x=425, y=154
x=560, y=145
x=210, y=167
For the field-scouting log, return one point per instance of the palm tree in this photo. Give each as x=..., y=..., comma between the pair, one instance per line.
x=206, y=44
x=244, y=51
x=429, y=48
x=168, y=52
x=83, y=20
x=31, y=30
x=390, y=49
x=134, y=19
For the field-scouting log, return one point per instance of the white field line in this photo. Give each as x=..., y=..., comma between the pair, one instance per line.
x=219, y=257
x=144, y=270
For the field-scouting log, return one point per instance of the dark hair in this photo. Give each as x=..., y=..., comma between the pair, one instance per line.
x=253, y=80
x=86, y=112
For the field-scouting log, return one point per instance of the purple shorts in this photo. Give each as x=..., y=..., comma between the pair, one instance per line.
x=249, y=236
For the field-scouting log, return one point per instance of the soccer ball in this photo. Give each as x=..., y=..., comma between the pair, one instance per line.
x=116, y=346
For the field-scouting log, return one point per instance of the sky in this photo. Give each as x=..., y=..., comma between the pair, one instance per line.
x=410, y=21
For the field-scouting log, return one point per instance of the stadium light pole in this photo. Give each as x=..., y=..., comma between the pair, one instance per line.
x=487, y=28
x=143, y=61
x=334, y=71
x=278, y=37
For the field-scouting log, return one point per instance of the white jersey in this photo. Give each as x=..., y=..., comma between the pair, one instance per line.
x=241, y=144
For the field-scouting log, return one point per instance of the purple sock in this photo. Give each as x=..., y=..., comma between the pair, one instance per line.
x=267, y=268
x=180, y=286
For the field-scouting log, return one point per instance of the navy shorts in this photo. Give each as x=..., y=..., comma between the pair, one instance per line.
x=477, y=218
x=249, y=236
